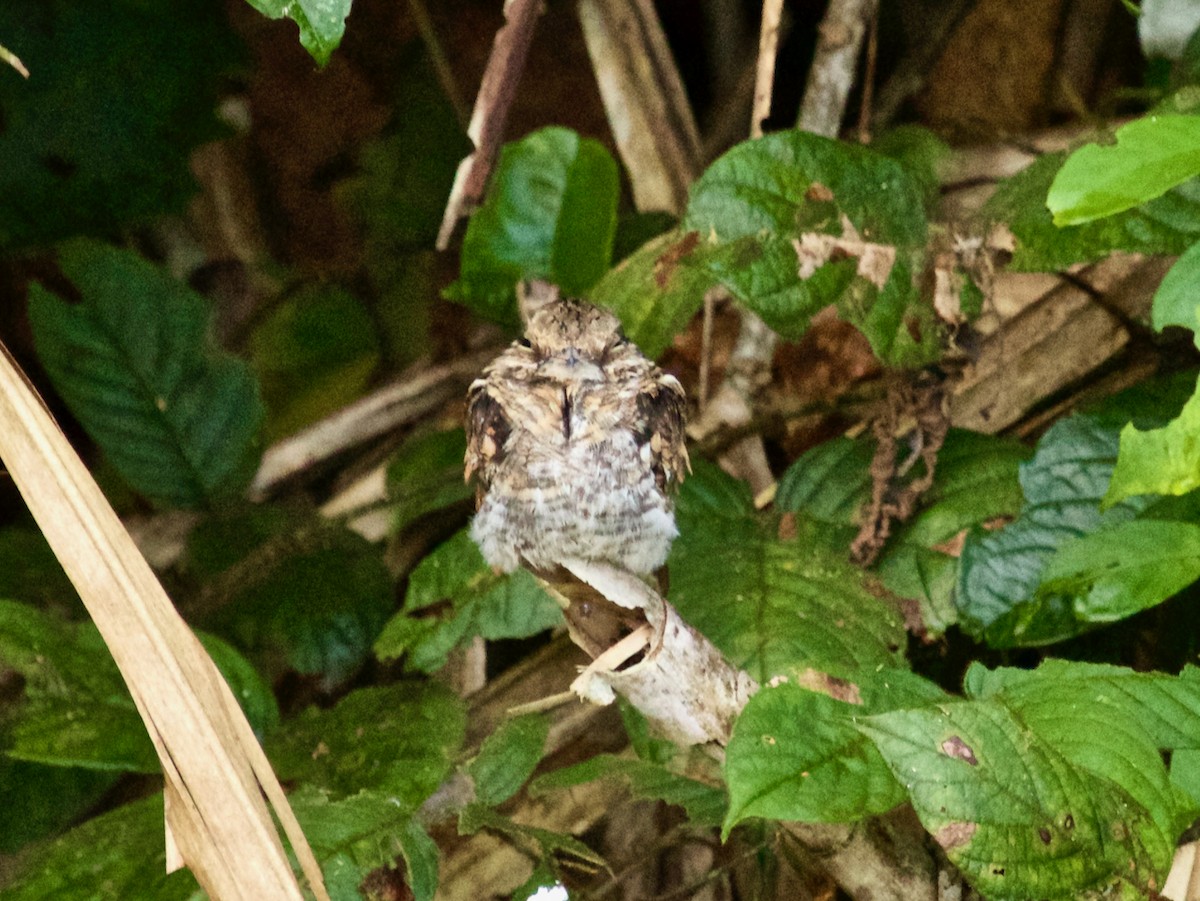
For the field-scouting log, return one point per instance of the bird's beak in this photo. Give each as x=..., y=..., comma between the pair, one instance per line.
x=570, y=366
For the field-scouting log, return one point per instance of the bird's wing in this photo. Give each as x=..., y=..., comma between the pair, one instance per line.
x=488, y=429
x=663, y=409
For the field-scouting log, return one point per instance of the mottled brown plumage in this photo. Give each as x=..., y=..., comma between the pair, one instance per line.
x=575, y=440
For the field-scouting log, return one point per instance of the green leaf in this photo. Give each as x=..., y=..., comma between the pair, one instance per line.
x=30, y=572
x=321, y=22
x=1122, y=570
x=1168, y=225
x=507, y=758
x=394, y=739
x=252, y=691
x=976, y=481
x=178, y=418
x=314, y=354
x=481, y=602
x=551, y=213
x=762, y=272
x=752, y=203
x=1175, y=300
x=921, y=152
x=1018, y=816
x=796, y=755
x=319, y=608
x=1166, y=708
x=829, y=482
x=999, y=572
x=1152, y=155
x=773, y=604
x=76, y=710
x=1158, y=461
x=656, y=290
x=355, y=835
x=766, y=185
x=705, y=805
x=37, y=800
x=541, y=844
x=426, y=474
x=90, y=155
x=112, y=857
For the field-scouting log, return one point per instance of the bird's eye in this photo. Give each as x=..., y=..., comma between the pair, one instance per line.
x=524, y=342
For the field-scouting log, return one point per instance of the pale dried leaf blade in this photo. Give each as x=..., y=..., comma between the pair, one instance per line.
x=644, y=100
x=214, y=769
x=1183, y=882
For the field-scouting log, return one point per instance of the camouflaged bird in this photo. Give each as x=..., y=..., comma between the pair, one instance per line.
x=575, y=439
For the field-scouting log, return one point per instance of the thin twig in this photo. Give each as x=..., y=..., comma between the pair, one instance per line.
x=868, y=87
x=366, y=419
x=764, y=80
x=441, y=64
x=834, y=64
x=492, y=104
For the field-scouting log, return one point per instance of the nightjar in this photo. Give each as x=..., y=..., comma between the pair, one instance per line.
x=575, y=440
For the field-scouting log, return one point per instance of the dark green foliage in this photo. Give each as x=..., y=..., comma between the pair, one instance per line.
x=98, y=137
x=453, y=595
x=178, y=418
x=773, y=605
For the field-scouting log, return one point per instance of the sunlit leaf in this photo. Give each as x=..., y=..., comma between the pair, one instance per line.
x=321, y=22
x=1152, y=155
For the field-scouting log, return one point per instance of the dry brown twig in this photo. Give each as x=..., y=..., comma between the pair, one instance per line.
x=496, y=92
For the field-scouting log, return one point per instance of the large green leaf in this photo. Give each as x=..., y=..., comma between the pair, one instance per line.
x=355, y=835
x=76, y=710
x=1166, y=708
x=321, y=22
x=508, y=757
x=396, y=739
x=773, y=604
x=426, y=474
x=999, y=572
x=38, y=800
x=480, y=602
x=113, y=857
x=1152, y=155
x=92, y=142
x=1168, y=224
x=1121, y=570
x=975, y=482
x=318, y=607
x=1026, y=814
x=752, y=204
x=551, y=213
x=30, y=572
x=1175, y=301
x=796, y=754
x=133, y=360
x=1159, y=461
x=656, y=290
x=766, y=185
